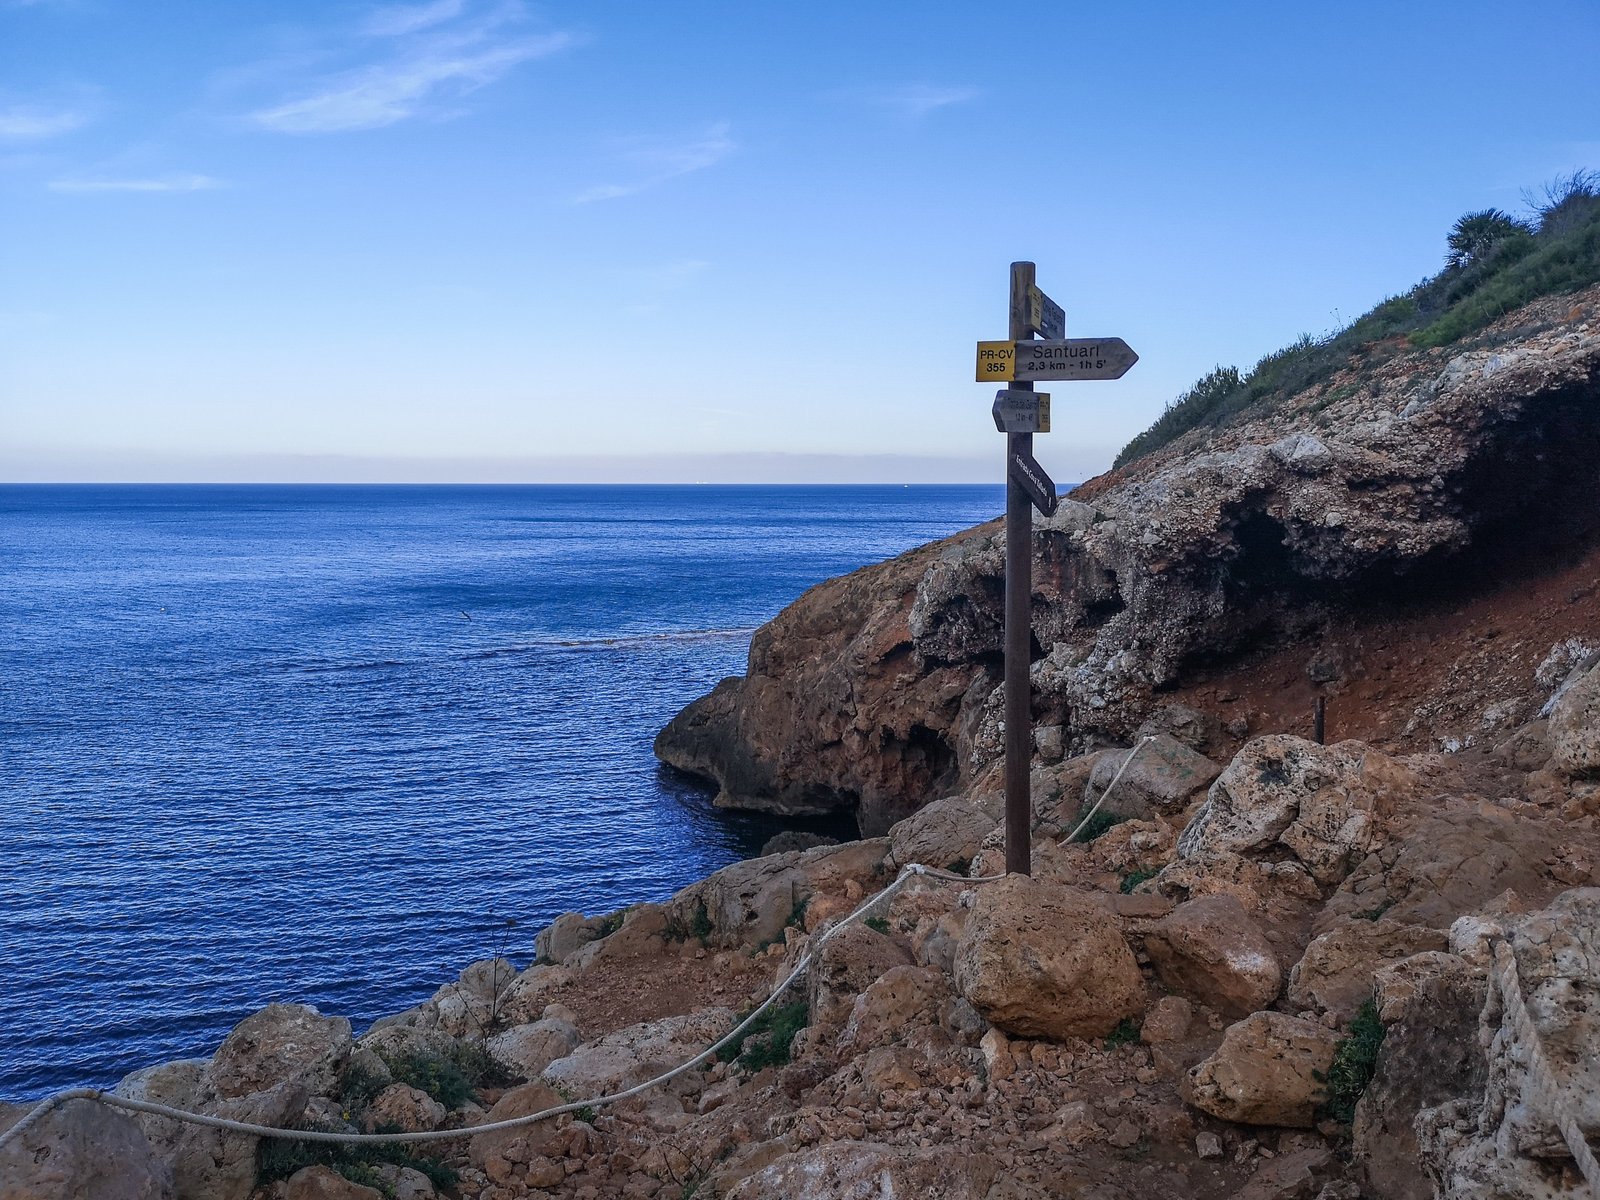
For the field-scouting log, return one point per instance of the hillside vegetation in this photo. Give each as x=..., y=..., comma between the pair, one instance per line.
x=1496, y=263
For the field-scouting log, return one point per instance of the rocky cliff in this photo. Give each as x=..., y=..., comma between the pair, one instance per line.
x=1407, y=479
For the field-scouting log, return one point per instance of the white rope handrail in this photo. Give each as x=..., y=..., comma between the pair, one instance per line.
x=911, y=870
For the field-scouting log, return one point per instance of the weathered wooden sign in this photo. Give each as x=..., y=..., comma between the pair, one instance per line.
x=1021, y=412
x=1066, y=358
x=1045, y=317
x=1031, y=476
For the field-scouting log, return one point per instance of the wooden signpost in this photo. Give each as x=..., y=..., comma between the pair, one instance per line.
x=1019, y=413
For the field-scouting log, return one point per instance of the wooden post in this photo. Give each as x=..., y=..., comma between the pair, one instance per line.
x=1319, y=721
x=1019, y=618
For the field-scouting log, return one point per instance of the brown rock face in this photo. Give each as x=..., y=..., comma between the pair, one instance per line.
x=82, y=1149
x=1335, y=973
x=1575, y=726
x=1212, y=951
x=874, y=692
x=1045, y=961
x=1265, y=1072
x=856, y=1170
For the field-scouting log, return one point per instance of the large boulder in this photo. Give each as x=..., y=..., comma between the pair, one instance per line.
x=750, y=903
x=1505, y=1139
x=1335, y=973
x=865, y=1171
x=1268, y=1071
x=1326, y=805
x=846, y=964
x=499, y=1152
x=1429, y=1004
x=946, y=832
x=324, y=1183
x=81, y=1149
x=406, y=1108
x=639, y=1052
x=264, y=1073
x=1042, y=960
x=566, y=935
x=899, y=1001
x=1211, y=950
x=1161, y=777
x=529, y=1049
x=1575, y=726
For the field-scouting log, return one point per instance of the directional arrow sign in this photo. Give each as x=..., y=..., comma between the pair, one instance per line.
x=1045, y=317
x=1073, y=358
x=1040, y=487
x=1021, y=412
x=1067, y=358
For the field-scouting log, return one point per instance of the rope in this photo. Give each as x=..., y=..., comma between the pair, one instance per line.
x=1543, y=1080
x=45, y=1107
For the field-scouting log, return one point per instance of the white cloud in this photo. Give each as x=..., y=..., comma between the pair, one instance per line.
x=915, y=101
x=169, y=183
x=25, y=123
x=658, y=161
x=400, y=19
x=440, y=52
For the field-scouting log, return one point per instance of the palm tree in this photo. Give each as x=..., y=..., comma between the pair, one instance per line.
x=1478, y=233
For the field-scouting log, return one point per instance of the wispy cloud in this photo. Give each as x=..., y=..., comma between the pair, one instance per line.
x=913, y=101
x=166, y=183
x=400, y=19
x=655, y=161
x=27, y=123
x=432, y=53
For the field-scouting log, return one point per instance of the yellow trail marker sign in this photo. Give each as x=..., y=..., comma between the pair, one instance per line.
x=995, y=359
x=1069, y=358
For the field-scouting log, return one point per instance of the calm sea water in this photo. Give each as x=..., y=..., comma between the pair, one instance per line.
x=321, y=744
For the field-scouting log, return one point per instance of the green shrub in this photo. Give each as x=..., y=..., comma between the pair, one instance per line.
x=1354, y=1061
x=1134, y=878
x=770, y=1038
x=1126, y=1032
x=877, y=923
x=1098, y=824
x=451, y=1078
x=279, y=1158
x=698, y=926
x=612, y=922
x=1495, y=264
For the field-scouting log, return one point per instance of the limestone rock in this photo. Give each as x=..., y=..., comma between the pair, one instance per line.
x=1167, y=1021
x=1429, y=1004
x=945, y=832
x=529, y=1049
x=281, y=1042
x=1327, y=805
x=409, y=1109
x=639, y=1052
x=1211, y=950
x=751, y=902
x=898, y=1001
x=1265, y=1072
x=1162, y=777
x=324, y=1183
x=1042, y=960
x=81, y=1149
x=846, y=965
x=1501, y=1141
x=565, y=935
x=1335, y=973
x=1200, y=731
x=861, y=1171
x=525, y=1141
x=1575, y=726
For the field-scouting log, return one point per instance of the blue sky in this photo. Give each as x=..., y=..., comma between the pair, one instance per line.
x=486, y=240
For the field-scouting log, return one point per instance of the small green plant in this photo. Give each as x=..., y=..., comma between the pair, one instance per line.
x=960, y=867
x=1355, y=1059
x=451, y=1078
x=585, y=1113
x=1372, y=914
x=612, y=922
x=279, y=1158
x=877, y=923
x=697, y=926
x=1098, y=824
x=1126, y=1032
x=770, y=1039
x=1134, y=878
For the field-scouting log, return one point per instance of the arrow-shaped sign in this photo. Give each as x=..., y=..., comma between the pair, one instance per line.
x=1068, y=358
x=1040, y=487
x=1045, y=317
x=1016, y=411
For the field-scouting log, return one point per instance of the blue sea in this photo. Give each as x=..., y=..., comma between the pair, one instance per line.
x=326, y=744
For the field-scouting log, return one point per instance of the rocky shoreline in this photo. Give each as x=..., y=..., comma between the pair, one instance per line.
x=1268, y=971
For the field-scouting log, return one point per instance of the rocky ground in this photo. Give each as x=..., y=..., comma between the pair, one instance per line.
x=1267, y=971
